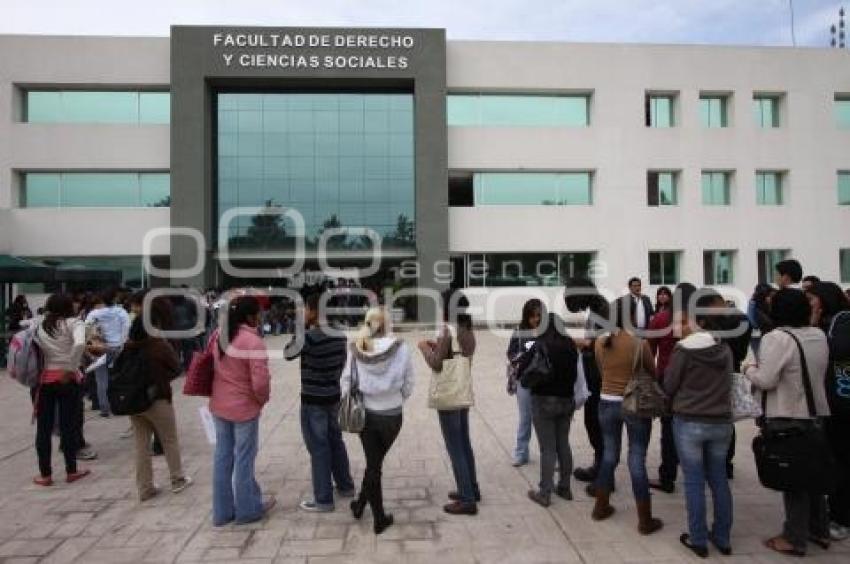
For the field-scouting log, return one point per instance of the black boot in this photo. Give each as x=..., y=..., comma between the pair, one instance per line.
x=358, y=505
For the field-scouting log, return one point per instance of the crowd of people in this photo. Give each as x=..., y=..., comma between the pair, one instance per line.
x=690, y=343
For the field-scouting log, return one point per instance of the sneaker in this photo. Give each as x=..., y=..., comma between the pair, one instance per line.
x=78, y=475
x=149, y=494
x=517, y=462
x=87, y=453
x=178, y=486
x=838, y=532
x=312, y=507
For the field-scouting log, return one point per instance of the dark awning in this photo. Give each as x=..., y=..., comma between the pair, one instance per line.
x=15, y=269
x=80, y=273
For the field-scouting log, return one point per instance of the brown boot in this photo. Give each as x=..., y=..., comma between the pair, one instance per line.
x=647, y=524
x=603, y=509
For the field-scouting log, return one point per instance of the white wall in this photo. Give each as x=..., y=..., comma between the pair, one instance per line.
x=619, y=225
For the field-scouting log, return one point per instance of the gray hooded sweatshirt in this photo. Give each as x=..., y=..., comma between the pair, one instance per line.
x=698, y=380
x=385, y=374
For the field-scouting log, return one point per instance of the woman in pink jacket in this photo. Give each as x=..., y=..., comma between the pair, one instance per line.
x=240, y=390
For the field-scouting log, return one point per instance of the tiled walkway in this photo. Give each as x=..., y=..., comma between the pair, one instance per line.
x=99, y=519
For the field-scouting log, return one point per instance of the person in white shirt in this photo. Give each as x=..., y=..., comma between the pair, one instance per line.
x=113, y=324
x=382, y=366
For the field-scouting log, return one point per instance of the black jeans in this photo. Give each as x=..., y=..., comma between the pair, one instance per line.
x=377, y=437
x=591, y=425
x=805, y=515
x=551, y=417
x=837, y=433
x=668, y=469
x=47, y=398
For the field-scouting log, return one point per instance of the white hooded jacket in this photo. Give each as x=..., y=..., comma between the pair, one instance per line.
x=385, y=374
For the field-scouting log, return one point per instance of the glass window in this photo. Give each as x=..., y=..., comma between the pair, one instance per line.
x=768, y=259
x=766, y=111
x=526, y=269
x=713, y=111
x=154, y=107
x=715, y=188
x=40, y=190
x=92, y=106
x=532, y=188
x=842, y=111
x=507, y=110
x=661, y=188
x=340, y=160
x=717, y=266
x=659, y=110
x=769, y=188
x=844, y=188
x=96, y=189
x=844, y=259
x=663, y=267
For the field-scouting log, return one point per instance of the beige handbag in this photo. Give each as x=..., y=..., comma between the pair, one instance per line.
x=451, y=387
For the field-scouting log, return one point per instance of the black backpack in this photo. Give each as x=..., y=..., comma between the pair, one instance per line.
x=130, y=389
x=838, y=374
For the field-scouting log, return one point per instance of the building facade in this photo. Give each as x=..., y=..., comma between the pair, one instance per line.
x=501, y=167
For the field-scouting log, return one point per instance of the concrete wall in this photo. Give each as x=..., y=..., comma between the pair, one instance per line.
x=619, y=148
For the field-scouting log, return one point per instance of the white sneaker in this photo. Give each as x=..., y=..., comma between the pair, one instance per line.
x=838, y=532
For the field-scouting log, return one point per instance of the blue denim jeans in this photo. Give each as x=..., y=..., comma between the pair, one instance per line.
x=236, y=494
x=611, y=420
x=328, y=457
x=523, y=432
x=455, y=427
x=101, y=375
x=702, y=449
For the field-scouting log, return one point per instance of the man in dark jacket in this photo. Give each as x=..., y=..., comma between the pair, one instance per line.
x=641, y=305
x=323, y=357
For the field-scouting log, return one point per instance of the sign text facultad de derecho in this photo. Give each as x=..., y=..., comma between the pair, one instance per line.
x=314, y=51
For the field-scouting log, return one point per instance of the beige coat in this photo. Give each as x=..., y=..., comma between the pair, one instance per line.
x=780, y=376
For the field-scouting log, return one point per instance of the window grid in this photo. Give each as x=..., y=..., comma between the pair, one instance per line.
x=715, y=188
x=766, y=111
x=718, y=267
x=660, y=110
x=769, y=188
x=844, y=188
x=713, y=112
x=97, y=106
x=664, y=267
x=95, y=189
x=662, y=188
x=518, y=110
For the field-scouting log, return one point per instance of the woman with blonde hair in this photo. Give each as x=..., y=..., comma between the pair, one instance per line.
x=381, y=366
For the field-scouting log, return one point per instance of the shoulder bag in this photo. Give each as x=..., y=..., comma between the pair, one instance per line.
x=451, y=387
x=793, y=454
x=352, y=410
x=199, y=376
x=643, y=396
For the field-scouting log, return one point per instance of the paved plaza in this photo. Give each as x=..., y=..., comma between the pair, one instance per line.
x=100, y=520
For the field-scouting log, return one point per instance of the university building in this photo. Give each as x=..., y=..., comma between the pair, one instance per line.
x=494, y=166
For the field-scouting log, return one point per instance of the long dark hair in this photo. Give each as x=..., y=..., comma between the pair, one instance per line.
x=238, y=312
x=531, y=307
x=832, y=299
x=160, y=316
x=760, y=294
x=58, y=307
x=658, y=305
x=463, y=319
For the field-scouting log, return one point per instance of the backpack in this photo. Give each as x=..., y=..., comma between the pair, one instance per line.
x=130, y=390
x=25, y=360
x=838, y=373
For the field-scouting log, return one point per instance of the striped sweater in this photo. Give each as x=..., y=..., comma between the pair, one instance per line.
x=322, y=359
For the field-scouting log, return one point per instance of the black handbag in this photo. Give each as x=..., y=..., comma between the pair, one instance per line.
x=537, y=368
x=793, y=454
